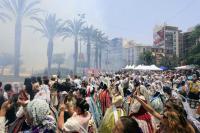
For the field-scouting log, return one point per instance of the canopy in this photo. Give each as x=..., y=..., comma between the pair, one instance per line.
x=163, y=68
x=150, y=68
x=187, y=67
x=129, y=67
x=155, y=68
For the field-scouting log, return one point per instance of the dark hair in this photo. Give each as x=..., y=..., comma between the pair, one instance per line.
x=75, y=76
x=105, y=87
x=130, y=125
x=33, y=80
x=46, y=80
x=8, y=87
x=83, y=92
x=28, y=87
x=182, y=83
x=0, y=84
x=117, y=78
x=136, y=82
x=39, y=80
x=83, y=105
x=2, y=100
x=167, y=90
x=100, y=85
x=84, y=83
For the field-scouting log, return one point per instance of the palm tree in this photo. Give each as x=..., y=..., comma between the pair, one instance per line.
x=87, y=34
x=73, y=29
x=50, y=28
x=103, y=44
x=19, y=9
x=98, y=39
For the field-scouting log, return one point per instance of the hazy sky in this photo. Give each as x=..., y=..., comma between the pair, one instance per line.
x=131, y=19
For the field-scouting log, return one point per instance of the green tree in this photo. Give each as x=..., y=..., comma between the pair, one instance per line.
x=169, y=62
x=193, y=56
x=73, y=29
x=146, y=58
x=19, y=9
x=50, y=28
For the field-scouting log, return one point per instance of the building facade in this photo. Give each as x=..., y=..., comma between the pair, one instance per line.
x=158, y=53
x=112, y=55
x=169, y=38
x=138, y=50
x=132, y=52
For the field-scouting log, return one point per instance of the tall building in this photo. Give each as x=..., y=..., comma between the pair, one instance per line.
x=128, y=52
x=132, y=51
x=169, y=38
x=112, y=55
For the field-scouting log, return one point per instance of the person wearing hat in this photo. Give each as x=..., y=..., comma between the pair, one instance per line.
x=38, y=115
x=113, y=113
x=138, y=112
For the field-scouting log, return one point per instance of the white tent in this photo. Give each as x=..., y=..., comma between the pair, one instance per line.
x=187, y=67
x=154, y=68
x=147, y=68
x=132, y=67
x=129, y=67
x=140, y=67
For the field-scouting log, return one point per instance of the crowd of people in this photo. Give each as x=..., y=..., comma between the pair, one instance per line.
x=123, y=102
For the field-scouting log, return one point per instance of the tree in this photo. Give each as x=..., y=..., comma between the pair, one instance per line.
x=169, y=62
x=73, y=29
x=58, y=59
x=5, y=61
x=99, y=39
x=195, y=36
x=50, y=28
x=193, y=56
x=103, y=44
x=87, y=34
x=19, y=9
x=146, y=58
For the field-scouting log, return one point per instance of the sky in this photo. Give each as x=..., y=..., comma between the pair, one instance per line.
x=130, y=19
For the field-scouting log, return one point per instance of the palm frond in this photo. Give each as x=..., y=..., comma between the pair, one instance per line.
x=4, y=17
x=21, y=8
x=50, y=27
x=30, y=6
x=8, y=6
